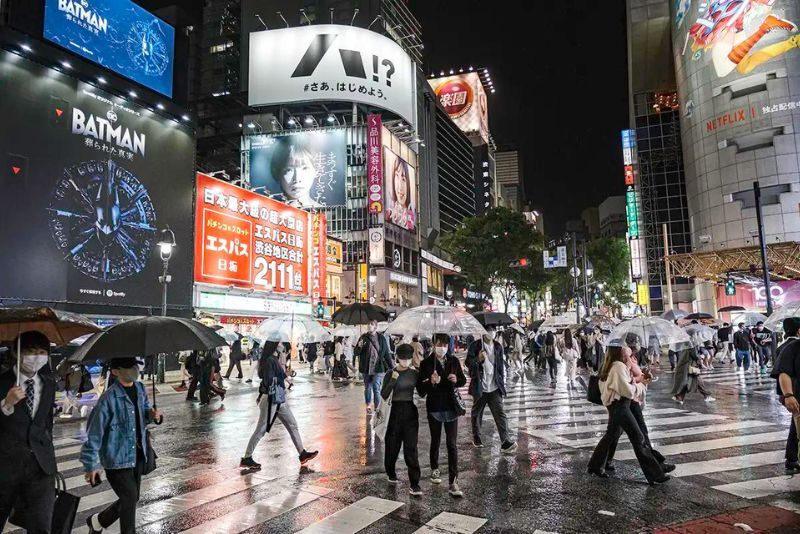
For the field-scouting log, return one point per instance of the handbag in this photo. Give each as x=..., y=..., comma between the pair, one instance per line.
x=86, y=381
x=150, y=461
x=458, y=402
x=65, y=509
x=593, y=390
x=276, y=392
x=380, y=423
x=694, y=371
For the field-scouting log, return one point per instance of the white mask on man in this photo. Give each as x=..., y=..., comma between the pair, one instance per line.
x=31, y=363
x=441, y=351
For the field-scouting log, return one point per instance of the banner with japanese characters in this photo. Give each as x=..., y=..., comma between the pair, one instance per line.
x=308, y=169
x=328, y=62
x=464, y=99
x=375, y=163
x=89, y=181
x=249, y=241
x=319, y=256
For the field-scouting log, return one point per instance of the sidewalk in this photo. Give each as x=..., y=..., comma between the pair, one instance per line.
x=766, y=519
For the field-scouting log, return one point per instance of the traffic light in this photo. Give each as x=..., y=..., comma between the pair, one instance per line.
x=730, y=287
x=320, y=310
x=522, y=262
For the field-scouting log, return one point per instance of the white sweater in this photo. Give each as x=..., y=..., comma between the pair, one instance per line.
x=618, y=385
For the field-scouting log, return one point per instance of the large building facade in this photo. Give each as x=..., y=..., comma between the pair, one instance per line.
x=509, y=178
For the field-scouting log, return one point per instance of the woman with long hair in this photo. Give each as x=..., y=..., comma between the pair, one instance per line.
x=401, y=211
x=569, y=352
x=617, y=389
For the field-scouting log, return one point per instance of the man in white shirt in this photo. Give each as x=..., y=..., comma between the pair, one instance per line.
x=27, y=456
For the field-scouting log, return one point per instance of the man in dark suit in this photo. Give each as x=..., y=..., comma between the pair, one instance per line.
x=27, y=457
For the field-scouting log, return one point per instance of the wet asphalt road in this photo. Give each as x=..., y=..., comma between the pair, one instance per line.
x=544, y=486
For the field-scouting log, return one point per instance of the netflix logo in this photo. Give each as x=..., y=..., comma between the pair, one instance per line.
x=730, y=118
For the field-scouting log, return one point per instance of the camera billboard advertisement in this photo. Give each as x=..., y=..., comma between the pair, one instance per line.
x=308, y=169
x=89, y=180
x=400, y=191
x=250, y=241
x=117, y=34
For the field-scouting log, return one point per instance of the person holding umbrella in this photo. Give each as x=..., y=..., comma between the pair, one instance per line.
x=116, y=441
x=374, y=359
x=27, y=456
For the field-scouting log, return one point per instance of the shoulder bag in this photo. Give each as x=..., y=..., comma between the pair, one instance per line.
x=593, y=390
x=380, y=422
x=458, y=403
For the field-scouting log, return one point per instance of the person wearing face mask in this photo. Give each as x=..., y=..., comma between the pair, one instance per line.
x=27, y=457
x=374, y=359
x=272, y=370
x=116, y=441
x=741, y=342
x=402, y=429
x=439, y=374
x=762, y=338
x=487, y=386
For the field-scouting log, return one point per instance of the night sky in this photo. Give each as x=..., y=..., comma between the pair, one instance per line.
x=560, y=70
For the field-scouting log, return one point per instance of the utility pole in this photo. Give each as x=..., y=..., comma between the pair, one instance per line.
x=667, y=269
x=764, y=264
x=575, y=277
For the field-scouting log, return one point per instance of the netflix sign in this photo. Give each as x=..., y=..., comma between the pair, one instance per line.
x=252, y=242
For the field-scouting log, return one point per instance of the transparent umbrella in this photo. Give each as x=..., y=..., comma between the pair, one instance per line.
x=699, y=333
x=345, y=331
x=775, y=321
x=749, y=318
x=429, y=320
x=672, y=315
x=291, y=329
x=648, y=331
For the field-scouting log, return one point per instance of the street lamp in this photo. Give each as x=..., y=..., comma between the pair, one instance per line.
x=166, y=244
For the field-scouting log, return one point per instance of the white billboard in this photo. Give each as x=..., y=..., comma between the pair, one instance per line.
x=330, y=62
x=464, y=100
x=376, y=246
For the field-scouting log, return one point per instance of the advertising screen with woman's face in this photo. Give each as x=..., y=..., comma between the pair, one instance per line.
x=401, y=191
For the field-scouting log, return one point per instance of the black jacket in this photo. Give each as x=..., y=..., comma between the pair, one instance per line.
x=476, y=368
x=384, y=362
x=21, y=436
x=439, y=397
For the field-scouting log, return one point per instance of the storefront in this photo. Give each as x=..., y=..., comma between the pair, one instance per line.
x=402, y=290
x=434, y=269
x=335, y=275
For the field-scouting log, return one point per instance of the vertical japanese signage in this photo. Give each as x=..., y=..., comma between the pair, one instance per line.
x=249, y=241
x=375, y=163
x=628, y=146
x=318, y=256
x=363, y=282
x=632, y=212
x=376, y=246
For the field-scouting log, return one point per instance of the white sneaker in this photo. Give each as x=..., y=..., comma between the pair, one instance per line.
x=454, y=490
x=676, y=399
x=710, y=399
x=436, y=477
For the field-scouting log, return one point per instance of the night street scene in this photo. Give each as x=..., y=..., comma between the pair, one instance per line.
x=399, y=266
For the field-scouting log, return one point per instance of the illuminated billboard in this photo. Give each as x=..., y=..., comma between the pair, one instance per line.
x=307, y=168
x=401, y=191
x=328, y=62
x=463, y=98
x=117, y=34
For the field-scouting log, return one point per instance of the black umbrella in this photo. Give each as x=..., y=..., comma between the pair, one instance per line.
x=147, y=336
x=536, y=324
x=698, y=316
x=493, y=318
x=360, y=313
x=731, y=309
x=60, y=327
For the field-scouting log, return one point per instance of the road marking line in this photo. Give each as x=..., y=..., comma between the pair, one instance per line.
x=354, y=517
x=681, y=432
x=66, y=441
x=69, y=464
x=710, y=444
x=66, y=451
x=450, y=523
x=260, y=511
x=601, y=415
x=762, y=487
x=657, y=422
x=729, y=463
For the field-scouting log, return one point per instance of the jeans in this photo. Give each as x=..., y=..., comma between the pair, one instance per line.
x=372, y=387
x=327, y=359
x=495, y=402
x=25, y=485
x=673, y=359
x=285, y=416
x=451, y=439
x=620, y=418
x=636, y=410
x=402, y=430
x=764, y=353
x=743, y=356
x=126, y=484
x=552, y=367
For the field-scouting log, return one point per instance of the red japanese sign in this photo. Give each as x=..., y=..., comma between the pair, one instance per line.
x=629, y=176
x=375, y=163
x=318, y=257
x=249, y=241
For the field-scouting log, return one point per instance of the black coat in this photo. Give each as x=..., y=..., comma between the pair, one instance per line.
x=384, y=362
x=20, y=435
x=476, y=368
x=439, y=397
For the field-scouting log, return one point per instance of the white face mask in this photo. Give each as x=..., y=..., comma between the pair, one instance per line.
x=31, y=363
x=441, y=351
x=128, y=374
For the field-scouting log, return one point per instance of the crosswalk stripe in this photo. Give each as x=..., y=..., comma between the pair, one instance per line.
x=762, y=487
x=711, y=444
x=662, y=421
x=681, y=432
x=601, y=415
x=448, y=522
x=729, y=463
x=66, y=451
x=354, y=517
x=160, y=510
x=252, y=515
x=106, y=497
x=65, y=441
x=70, y=464
x=741, y=381
x=787, y=505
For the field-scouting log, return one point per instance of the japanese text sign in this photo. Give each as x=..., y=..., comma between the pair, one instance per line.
x=249, y=241
x=374, y=163
x=318, y=257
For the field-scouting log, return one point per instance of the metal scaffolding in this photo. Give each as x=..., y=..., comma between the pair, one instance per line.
x=783, y=260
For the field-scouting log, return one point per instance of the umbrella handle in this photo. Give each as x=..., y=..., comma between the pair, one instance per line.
x=19, y=360
x=153, y=380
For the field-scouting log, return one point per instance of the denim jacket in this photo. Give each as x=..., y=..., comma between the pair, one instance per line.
x=111, y=430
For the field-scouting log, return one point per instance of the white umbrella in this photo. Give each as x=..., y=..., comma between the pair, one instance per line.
x=429, y=320
x=557, y=321
x=700, y=333
x=518, y=328
x=345, y=331
x=749, y=318
x=775, y=321
x=646, y=330
x=672, y=315
x=291, y=329
x=228, y=335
